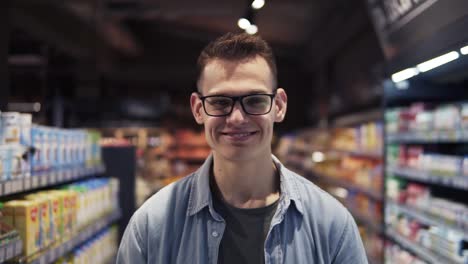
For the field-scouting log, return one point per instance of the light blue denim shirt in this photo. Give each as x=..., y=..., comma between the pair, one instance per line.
x=179, y=225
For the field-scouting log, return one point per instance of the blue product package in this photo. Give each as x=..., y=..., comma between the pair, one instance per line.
x=6, y=160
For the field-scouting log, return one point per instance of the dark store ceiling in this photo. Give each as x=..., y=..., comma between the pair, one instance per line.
x=139, y=48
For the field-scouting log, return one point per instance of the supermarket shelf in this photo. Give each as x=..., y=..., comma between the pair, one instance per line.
x=344, y=184
x=11, y=250
x=367, y=221
x=426, y=218
x=51, y=255
x=459, y=182
x=47, y=178
x=362, y=153
x=429, y=137
x=423, y=253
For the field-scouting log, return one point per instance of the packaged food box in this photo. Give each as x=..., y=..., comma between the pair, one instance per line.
x=58, y=211
x=10, y=127
x=44, y=217
x=67, y=201
x=6, y=162
x=26, y=220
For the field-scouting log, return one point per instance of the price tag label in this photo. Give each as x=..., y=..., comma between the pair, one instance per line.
x=13, y=186
x=51, y=256
x=61, y=250
x=43, y=180
x=42, y=259
x=60, y=176
x=33, y=182
x=27, y=183
x=10, y=250
x=76, y=172
x=7, y=188
x=52, y=178
x=68, y=175
x=19, y=184
x=68, y=245
x=18, y=247
x=2, y=254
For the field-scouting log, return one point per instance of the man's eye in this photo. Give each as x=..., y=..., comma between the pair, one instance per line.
x=219, y=102
x=256, y=101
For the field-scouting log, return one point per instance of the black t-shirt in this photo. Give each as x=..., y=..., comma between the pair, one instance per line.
x=246, y=230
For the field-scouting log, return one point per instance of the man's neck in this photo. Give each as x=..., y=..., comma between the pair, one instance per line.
x=246, y=184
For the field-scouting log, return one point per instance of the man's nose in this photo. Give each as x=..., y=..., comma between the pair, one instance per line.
x=237, y=115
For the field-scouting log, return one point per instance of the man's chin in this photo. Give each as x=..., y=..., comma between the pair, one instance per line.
x=237, y=154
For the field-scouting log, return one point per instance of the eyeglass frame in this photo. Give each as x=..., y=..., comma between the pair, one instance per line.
x=234, y=100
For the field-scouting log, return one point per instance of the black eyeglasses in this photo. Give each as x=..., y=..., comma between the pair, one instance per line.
x=252, y=104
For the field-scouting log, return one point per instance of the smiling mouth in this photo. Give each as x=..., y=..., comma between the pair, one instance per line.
x=239, y=134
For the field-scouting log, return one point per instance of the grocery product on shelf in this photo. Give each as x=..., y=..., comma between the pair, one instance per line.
x=365, y=138
x=24, y=216
x=100, y=249
x=428, y=122
x=447, y=243
x=395, y=254
x=418, y=198
x=48, y=217
x=346, y=162
x=426, y=215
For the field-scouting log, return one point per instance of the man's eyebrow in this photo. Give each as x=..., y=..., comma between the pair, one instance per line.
x=259, y=91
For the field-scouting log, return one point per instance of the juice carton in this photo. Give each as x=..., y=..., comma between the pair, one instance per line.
x=11, y=127
x=65, y=225
x=26, y=221
x=58, y=209
x=54, y=217
x=73, y=199
x=6, y=162
x=25, y=122
x=44, y=218
x=55, y=213
x=36, y=142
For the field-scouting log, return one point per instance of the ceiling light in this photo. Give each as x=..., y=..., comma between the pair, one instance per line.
x=257, y=4
x=464, y=50
x=404, y=74
x=318, y=156
x=438, y=61
x=252, y=29
x=243, y=23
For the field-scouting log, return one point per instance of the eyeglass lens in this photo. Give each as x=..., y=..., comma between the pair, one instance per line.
x=256, y=104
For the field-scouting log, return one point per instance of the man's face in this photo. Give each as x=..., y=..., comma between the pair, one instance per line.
x=239, y=136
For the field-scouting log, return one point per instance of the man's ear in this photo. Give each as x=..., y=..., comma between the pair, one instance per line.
x=281, y=104
x=196, y=106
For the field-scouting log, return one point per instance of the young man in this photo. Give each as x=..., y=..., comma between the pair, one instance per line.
x=242, y=205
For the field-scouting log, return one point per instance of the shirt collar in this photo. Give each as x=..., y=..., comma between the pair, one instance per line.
x=200, y=193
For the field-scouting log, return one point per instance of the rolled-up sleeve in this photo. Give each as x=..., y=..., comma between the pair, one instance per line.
x=132, y=249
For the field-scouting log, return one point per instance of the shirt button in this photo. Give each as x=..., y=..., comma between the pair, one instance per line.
x=215, y=234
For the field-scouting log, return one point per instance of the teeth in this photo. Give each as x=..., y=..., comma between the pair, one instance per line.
x=241, y=135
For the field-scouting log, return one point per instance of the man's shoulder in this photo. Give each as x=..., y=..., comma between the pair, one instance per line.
x=316, y=201
x=170, y=200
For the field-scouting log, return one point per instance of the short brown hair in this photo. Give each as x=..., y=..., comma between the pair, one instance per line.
x=237, y=47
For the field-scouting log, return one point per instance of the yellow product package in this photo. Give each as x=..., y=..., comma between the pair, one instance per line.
x=64, y=223
x=44, y=219
x=73, y=196
x=26, y=221
x=54, y=215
